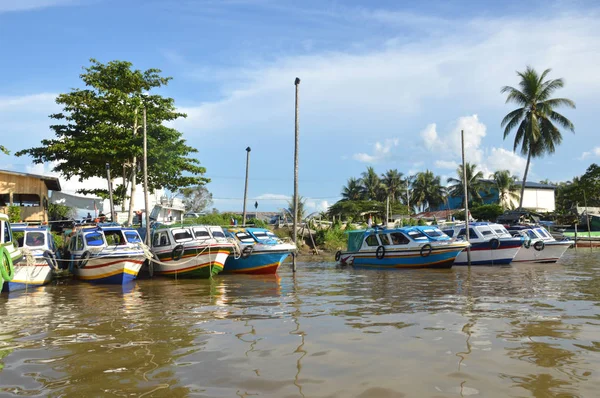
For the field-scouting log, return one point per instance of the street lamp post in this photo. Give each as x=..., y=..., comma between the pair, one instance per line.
x=297, y=130
x=246, y=185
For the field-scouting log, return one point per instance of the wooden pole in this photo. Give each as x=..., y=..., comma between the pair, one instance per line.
x=112, y=206
x=295, y=232
x=246, y=185
x=462, y=143
x=587, y=217
x=146, y=200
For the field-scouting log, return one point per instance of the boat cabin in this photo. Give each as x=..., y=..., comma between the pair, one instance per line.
x=253, y=235
x=164, y=237
x=407, y=236
x=96, y=238
x=34, y=238
x=482, y=231
x=536, y=233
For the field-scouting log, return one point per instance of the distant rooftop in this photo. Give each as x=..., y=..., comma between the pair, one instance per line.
x=52, y=183
x=528, y=184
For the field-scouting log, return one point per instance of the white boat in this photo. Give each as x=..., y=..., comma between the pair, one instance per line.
x=540, y=246
x=106, y=254
x=9, y=253
x=40, y=257
x=491, y=244
x=190, y=251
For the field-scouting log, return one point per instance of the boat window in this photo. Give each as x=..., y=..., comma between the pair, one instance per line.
x=542, y=233
x=501, y=231
x=398, y=238
x=433, y=232
x=261, y=235
x=244, y=237
x=217, y=234
x=181, y=235
x=372, y=240
x=531, y=234
x=35, y=239
x=161, y=239
x=201, y=234
x=271, y=235
x=449, y=232
x=132, y=237
x=114, y=238
x=384, y=239
x=7, y=233
x=487, y=232
x=92, y=239
x=472, y=233
x=416, y=234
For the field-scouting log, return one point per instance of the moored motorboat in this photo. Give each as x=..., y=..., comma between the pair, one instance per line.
x=9, y=253
x=491, y=244
x=406, y=247
x=262, y=252
x=189, y=251
x=40, y=257
x=539, y=246
x=105, y=254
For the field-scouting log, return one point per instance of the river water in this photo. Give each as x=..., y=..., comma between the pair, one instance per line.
x=519, y=331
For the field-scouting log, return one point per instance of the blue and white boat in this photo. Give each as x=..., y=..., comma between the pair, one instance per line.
x=406, y=247
x=40, y=258
x=491, y=243
x=262, y=252
x=105, y=254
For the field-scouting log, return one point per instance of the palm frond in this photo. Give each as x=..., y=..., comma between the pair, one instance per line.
x=562, y=121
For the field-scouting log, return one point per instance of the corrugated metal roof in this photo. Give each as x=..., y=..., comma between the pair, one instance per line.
x=52, y=183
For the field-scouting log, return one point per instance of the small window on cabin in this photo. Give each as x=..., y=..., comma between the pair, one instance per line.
x=384, y=239
x=532, y=234
x=542, y=233
x=472, y=233
x=433, y=232
x=244, y=237
x=79, y=243
x=486, y=232
x=4, y=199
x=217, y=233
x=132, y=237
x=94, y=239
x=114, y=238
x=182, y=235
x=500, y=231
x=372, y=240
x=449, y=232
x=26, y=200
x=416, y=234
x=35, y=239
x=160, y=239
x=399, y=238
x=261, y=235
x=201, y=234
x=7, y=233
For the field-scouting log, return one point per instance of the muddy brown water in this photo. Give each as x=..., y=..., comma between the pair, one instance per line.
x=513, y=331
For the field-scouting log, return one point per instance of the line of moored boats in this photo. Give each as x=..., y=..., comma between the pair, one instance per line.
x=111, y=253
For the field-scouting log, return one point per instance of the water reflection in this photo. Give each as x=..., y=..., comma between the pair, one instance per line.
x=323, y=332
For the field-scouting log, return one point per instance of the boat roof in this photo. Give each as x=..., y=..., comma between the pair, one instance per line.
x=26, y=228
x=389, y=230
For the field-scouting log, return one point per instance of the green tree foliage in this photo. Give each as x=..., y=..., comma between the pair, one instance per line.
x=534, y=120
x=570, y=194
x=222, y=219
x=301, y=208
x=257, y=223
x=4, y=150
x=103, y=123
x=353, y=190
x=14, y=214
x=372, y=186
x=392, y=184
x=507, y=188
x=475, y=187
x=196, y=198
x=60, y=212
x=488, y=212
x=428, y=191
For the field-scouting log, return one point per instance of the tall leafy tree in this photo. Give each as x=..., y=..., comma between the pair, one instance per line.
x=507, y=188
x=353, y=190
x=103, y=123
x=392, y=183
x=301, y=208
x=535, y=118
x=196, y=198
x=427, y=190
x=371, y=184
x=475, y=187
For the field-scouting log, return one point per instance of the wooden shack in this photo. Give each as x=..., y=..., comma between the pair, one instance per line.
x=29, y=192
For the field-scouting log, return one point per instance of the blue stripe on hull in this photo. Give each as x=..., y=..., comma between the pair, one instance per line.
x=254, y=261
x=12, y=286
x=118, y=279
x=501, y=261
x=416, y=261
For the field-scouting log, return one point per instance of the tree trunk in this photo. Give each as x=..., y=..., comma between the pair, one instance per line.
x=524, y=180
x=132, y=197
x=124, y=189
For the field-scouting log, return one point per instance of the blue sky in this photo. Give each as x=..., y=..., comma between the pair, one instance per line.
x=384, y=84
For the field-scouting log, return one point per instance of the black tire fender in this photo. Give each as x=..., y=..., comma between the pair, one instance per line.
x=426, y=250
x=247, y=251
x=177, y=252
x=51, y=260
x=539, y=245
x=494, y=243
x=380, y=252
x=338, y=255
x=83, y=260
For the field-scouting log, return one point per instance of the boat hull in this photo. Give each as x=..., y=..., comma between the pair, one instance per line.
x=258, y=263
x=29, y=276
x=110, y=269
x=551, y=253
x=191, y=264
x=440, y=257
x=483, y=254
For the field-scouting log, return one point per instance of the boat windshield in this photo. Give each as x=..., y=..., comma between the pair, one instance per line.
x=260, y=235
x=217, y=234
x=244, y=237
x=500, y=230
x=114, y=238
x=542, y=233
x=94, y=239
x=181, y=235
x=433, y=232
x=416, y=234
x=485, y=231
x=531, y=234
x=35, y=239
x=201, y=234
x=132, y=237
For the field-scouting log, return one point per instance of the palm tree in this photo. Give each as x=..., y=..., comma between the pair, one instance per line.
x=507, y=189
x=428, y=191
x=301, y=209
x=393, y=184
x=371, y=184
x=474, y=184
x=353, y=190
x=535, y=131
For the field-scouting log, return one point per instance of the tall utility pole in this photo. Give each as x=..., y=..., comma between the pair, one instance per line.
x=112, y=206
x=146, y=201
x=297, y=128
x=246, y=185
x=462, y=143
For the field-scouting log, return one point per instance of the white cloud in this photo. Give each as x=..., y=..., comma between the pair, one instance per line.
x=502, y=159
x=446, y=164
x=26, y=5
x=274, y=196
x=381, y=151
x=595, y=152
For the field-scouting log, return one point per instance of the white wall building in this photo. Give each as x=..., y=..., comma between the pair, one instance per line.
x=537, y=197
